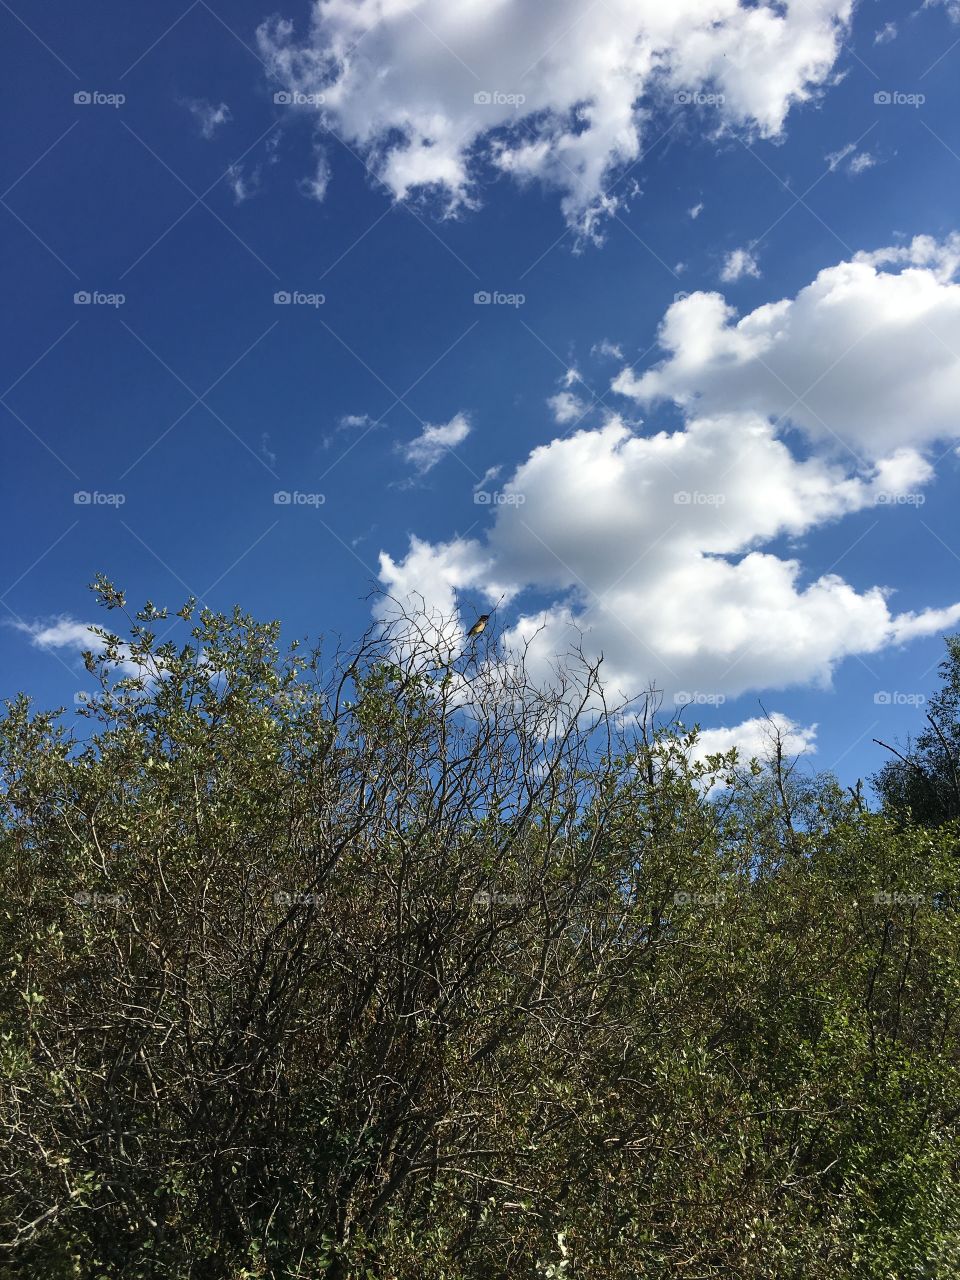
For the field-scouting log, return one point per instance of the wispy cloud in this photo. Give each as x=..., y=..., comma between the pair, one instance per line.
x=209, y=116
x=434, y=441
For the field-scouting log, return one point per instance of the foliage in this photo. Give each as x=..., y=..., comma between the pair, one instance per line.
x=403, y=966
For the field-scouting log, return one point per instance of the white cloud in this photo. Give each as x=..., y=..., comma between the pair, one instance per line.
x=757, y=739
x=886, y=33
x=606, y=348
x=952, y=7
x=71, y=634
x=835, y=158
x=242, y=184
x=656, y=548
x=696, y=211
x=429, y=447
x=865, y=357
x=209, y=116
x=739, y=263
x=652, y=547
x=859, y=161
x=315, y=188
x=63, y=633
x=567, y=408
x=545, y=91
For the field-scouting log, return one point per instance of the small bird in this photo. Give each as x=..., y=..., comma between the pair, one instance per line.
x=481, y=622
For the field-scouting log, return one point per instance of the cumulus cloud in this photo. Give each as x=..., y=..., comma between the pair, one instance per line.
x=429, y=90
x=756, y=739
x=651, y=548
x=739, y=263
x=655, y=549
x=864, y=356
x=209, y=116
x=428, y=448
x=886, y=33
x=567, y=408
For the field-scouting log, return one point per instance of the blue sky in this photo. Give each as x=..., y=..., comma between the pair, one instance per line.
x=714, y=501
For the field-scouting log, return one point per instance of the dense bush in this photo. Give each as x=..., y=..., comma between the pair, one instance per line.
x=398, y=966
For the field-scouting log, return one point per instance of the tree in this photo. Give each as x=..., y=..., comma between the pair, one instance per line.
x=925, y=779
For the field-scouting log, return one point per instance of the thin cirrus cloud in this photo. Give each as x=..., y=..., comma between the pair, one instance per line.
x=429, y=90
x=654, y=547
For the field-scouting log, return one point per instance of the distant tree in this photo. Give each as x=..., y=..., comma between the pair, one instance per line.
x=924, y=778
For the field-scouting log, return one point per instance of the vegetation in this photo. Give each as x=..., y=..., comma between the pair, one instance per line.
x=397, y=965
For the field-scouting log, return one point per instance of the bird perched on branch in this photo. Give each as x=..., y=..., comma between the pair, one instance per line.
x=481, y=622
